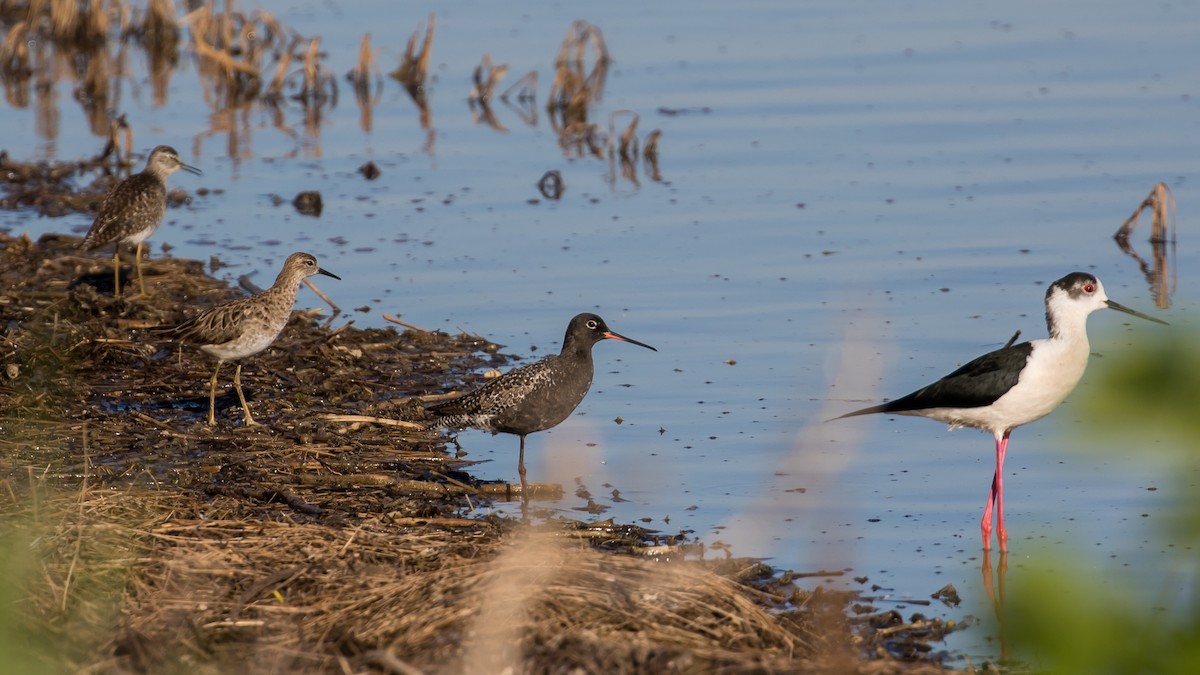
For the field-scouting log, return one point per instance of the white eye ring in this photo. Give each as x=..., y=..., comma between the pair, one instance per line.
x=591, y=324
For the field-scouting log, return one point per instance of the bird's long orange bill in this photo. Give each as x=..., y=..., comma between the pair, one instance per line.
x=617, y=336
x=1122, y=308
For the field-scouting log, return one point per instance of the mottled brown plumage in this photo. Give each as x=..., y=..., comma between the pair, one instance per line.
x=134, y=210
x=244, y=327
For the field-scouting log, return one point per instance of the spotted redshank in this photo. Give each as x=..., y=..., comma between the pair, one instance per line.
x=533, y=397
x=1014, y=385
x=245, y=327
x=134, y=210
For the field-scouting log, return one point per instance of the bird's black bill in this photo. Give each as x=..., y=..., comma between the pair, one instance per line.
x=617, y=336
x=328, y=274
x=1123, y=308
x=190, y=169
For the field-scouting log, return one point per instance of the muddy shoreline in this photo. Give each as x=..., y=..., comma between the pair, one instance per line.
x=317, y=544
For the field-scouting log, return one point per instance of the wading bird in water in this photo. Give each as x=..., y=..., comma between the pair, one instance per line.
x=1016, y=384
x=533, y=397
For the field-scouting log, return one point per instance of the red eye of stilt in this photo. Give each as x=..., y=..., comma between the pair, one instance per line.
x=1088, y=288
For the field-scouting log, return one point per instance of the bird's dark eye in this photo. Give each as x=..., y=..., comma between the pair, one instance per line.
x=1089, y=289
x=591, y=325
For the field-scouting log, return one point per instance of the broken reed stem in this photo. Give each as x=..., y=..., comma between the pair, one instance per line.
x=413, y=67
x=361, y=73
x=312, y=69
x=486, y=78
x=1161, y=203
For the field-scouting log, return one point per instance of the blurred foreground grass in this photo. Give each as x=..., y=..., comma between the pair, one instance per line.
x=64, y=570
x=1073, y=622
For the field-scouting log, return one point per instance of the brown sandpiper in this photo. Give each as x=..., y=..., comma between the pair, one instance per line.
x=134, y=210
x=244, y=327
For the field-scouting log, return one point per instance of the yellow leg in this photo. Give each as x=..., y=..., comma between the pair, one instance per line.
x=212, y=396
x=117, y=270
x=237, y=384
x=137, y=265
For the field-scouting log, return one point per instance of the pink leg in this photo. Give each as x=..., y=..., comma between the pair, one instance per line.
x=1001, y=532
x=996, y=496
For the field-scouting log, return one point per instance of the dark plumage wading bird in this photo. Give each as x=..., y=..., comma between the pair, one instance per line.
x=1017, y=384
x=533, y=397
x=244, y=327
x=134, y=210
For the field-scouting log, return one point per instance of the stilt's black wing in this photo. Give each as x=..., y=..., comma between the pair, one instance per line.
x=974, y=385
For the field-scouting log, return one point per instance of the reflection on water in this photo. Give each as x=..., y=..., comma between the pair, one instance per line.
x=248, y=62
x=910, y=176
x=993, y=586
x=1160, y=274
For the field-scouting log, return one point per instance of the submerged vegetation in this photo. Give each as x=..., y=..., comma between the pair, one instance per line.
x=246, y=60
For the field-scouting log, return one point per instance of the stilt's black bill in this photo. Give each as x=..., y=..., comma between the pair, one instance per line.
x=328, y=274
x=617, y=336
x=190, y=169
x=1123, y=308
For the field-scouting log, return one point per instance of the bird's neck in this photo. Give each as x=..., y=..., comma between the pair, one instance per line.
x=1069, y=332
x=286, y=288
x=575, y=352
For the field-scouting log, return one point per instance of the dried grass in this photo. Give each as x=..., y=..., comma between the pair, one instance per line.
x=414, y=65
x=486, y=78
x=313, y=545
x=363, y=78
x=159, y=33
x=576, y=87
x=1160, y=273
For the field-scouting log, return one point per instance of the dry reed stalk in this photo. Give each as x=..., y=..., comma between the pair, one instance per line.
x=312, y=69
x=14, y=53
x=486, y=78
x=275, y=88
x=319, y=85
x=521, y=97
x=650, y=155
x=575, y=86
x=627, y=146
x=1161, y=204
x=1161, y=274
x=360, y=75
x=524, y=89
x=121, y=153
x=95, y=83
x=414, y=66
x=16, y=68
x=159, y=34
x=160, y=18
x=361, y=78
x=64, y=19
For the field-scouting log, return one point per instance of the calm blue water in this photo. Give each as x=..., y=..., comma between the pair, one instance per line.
x=860, y=197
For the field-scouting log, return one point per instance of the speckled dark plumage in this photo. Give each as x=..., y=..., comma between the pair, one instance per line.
x=135, y=208
x=244, y=327
x=537, y=396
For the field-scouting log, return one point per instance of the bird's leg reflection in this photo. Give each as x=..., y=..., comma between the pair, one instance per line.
x=997, y=599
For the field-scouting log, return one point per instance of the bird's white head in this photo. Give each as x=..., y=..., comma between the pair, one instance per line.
x=1072, y=298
